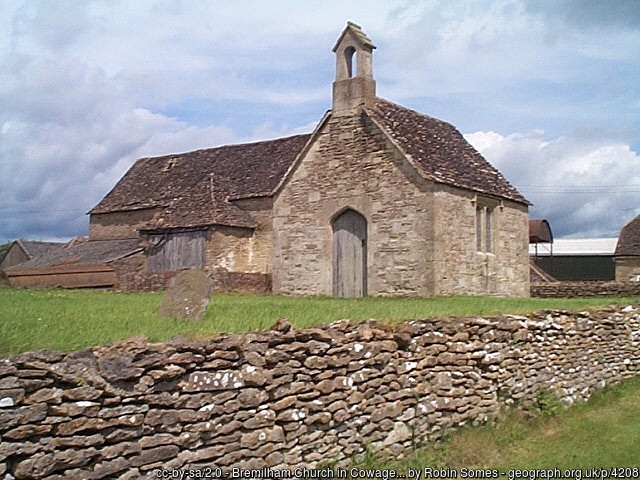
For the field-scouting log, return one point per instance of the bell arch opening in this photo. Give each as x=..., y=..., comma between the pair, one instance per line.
x=350, y=61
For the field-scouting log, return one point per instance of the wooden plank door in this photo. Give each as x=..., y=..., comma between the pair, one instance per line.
x=174, y=251
x=350, y=255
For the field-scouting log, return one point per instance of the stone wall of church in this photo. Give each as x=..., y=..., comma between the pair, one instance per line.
x=351, y=165
x=465, y=268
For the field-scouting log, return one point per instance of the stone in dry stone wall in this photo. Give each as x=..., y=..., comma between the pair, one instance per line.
x=290, y=398
x=585, y=289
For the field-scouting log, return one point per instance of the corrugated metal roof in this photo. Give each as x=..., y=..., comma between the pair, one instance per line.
x=577, y=247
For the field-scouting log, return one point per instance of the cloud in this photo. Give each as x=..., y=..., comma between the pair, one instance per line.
x=588, y=14
x=78, y=105
x=67, y=134
x=584, y=187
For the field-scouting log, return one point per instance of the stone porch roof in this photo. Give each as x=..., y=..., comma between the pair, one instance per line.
x=629, y=240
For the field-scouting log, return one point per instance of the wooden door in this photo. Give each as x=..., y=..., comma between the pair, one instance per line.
x=174, y=251
x=350, y=255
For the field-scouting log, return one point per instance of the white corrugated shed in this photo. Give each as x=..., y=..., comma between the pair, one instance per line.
x=566, y=247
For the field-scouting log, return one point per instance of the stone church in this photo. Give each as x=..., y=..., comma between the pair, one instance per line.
x=377, y=200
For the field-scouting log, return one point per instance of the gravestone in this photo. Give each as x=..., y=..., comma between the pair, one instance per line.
x=187, y=296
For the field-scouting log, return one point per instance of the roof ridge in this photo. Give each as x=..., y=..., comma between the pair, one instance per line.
x=219, y=147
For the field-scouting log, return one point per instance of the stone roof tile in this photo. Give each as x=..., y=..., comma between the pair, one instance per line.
x=441, y=151
x=194, y=188
x=629, y=240
x=36, y=248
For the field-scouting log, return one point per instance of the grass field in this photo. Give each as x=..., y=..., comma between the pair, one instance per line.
x=602, y=433
x=71, y=319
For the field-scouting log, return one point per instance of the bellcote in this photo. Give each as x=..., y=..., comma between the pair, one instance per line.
x=354, y=85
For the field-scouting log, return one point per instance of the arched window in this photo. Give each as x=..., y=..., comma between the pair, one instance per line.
x=483, y=228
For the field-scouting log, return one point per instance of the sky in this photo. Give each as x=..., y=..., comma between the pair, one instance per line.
x=546, y=90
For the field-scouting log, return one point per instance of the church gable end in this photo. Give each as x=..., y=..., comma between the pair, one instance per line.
x=352, y=165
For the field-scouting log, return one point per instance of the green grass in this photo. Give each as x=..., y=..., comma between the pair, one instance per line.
x=604, y=432
x=67, y=320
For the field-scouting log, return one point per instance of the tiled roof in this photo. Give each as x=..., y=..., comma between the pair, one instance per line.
x=629, y=240
x=194, y=187
x=441, y=152
x=87, y=253
x=36, y=249
x=204, y=203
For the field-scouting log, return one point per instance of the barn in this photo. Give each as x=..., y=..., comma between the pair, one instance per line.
x=577, y=259
x=21, y=251
x=377, y=200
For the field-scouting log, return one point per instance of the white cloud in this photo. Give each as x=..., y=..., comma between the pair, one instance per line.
x=584, y=187
x=67, y=134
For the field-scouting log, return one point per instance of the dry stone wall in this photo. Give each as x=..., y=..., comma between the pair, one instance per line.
x=287, y=398
x=133, y=275
x=585, y=289
x=627, y=269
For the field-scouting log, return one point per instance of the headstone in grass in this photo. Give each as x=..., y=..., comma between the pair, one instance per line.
x=187, y=296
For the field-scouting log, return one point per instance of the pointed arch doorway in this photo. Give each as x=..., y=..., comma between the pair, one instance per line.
x=349, y=254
